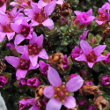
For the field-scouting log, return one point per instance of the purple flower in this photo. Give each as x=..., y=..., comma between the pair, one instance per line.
x=24, y=31
x=22, y=82
x=43, y=3
x=84, y=35
x=89, y=83
x=44, y=67
x=40, y=16
x=76, y=52
x=33, y=82
x=3, y=81
x=84, y=18
x=89, y=55
x=3, y=5
x=59, y=92
x=28, y=104
x=104, y=14
x=34, y=49
x=105, y=80
x=66, y=62
x=22, y=64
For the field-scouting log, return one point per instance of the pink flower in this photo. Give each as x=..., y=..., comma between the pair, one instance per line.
x=59, y=92
x=107, y=60
x=34, y=49
x=3, y=80
x=40, y=16
x=22, y=82
x=33, y=82
x=3, y=5
x=28, y=104
x=104, y=14
x=24, y=31
x=84, y=18
x=43, y=3
x=90, y=55
x=44, y=67
x=22, y=64
x=76, y=52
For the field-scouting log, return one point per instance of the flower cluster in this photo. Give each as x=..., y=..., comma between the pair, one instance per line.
x=44, y=42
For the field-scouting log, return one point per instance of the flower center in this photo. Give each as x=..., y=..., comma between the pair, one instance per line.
x=25, y=30
x=91, y=57
x=24, y=64
x=61, y=93
x=41, y=16
x=7, y=28
x=34, y=49
x=102, y=16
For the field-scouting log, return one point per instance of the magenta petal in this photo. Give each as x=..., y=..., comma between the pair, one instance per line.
x=14, y=61
x=43, y=54
x=85, y=47
x=101, y=58
x=10, y=35
x=70, y=102
x=34, y=23
x=53, y=104
x=18, y=39
x=16, y=27
x=39, y=40
x=60, y=2
x=74, y=83
x=33, y=67
x=77, y=12
x=81, y=58
x=20, y=74
x=49, y=8
x=99, y=49
x=2, y=36
x=90, y=64
x=54, y=77
x=48, y=23
x=33, y=59
x=49, y=92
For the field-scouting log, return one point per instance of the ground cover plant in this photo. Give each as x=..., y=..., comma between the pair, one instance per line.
x=55, y=54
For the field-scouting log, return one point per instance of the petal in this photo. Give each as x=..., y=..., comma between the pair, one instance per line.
x=53, y=105
x=82, y=57
x=99, y=49
x=74, y=83
x=33, y=67
x=48, y=23
x=49, y=92
x=101, y=58
x=70, y=102
x=54, y=77
x=90, y=64
x=33, y=59
x=18, y=39
x=16, y=27
x=2, y=36
x=21, y=74
x=60, y=2
x=85, y=47
x=77, y=12
x=89, y=12
x=10, y=35
x=34, y=23
x=49, y=8
x=14, y=61
x=43, y=54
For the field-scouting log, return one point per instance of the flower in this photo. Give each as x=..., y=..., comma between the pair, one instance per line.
x=24, y=32
x=22, y=82
x=22, y=64
x=28, y=104
x=3, y=80
x=3, y=5
x=76, y=52
x=34, y=49
x=43, y=3
x=104, y=14
x=83, y=18
x=33, y=82
x=40, y=16
x=44, y=67
x=105, y=80
x=90, y=55
x=60, y=93
x=107, y=60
